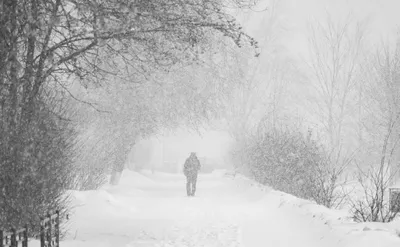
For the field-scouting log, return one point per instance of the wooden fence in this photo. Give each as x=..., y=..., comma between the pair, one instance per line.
x=49, y=233
x=14, y=238
x=394, y=200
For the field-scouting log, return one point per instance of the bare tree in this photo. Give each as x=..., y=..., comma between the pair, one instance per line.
x=381, y=124
x=372, y=204
x=335, y=52
x=258, y=83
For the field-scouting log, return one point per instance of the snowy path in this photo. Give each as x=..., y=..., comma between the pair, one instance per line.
x=155, y=212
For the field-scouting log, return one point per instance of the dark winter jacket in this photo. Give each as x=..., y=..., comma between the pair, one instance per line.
x=191, y=166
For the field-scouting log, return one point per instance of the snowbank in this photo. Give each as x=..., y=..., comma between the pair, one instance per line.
x=117, y=201
x=128, y=186
x=358, y=234
x=219, y=172
x=148, y=209
x=132, y=178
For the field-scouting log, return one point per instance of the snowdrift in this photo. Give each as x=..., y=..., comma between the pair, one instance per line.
x=144, y=208
x=359, y=234
x=132, y=178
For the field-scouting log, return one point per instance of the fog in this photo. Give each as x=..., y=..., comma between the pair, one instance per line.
x=172, y=149
x=291, y=107
x=283, y=31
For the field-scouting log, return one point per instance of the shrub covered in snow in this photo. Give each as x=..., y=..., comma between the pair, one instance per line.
x=372, y=203
x=293, y=163
x=34, y=164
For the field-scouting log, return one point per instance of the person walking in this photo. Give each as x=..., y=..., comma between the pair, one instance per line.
x=191, y=169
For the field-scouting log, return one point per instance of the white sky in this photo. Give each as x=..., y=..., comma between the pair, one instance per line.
x=383, y=17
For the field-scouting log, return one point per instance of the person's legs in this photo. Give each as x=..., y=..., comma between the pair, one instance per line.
x=188, y=190
x=194, y=181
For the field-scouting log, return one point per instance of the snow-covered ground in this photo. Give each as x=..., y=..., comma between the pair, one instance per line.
x=153, y=210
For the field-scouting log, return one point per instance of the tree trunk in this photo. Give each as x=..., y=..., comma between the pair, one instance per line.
x=119, y=164
x=115, y=176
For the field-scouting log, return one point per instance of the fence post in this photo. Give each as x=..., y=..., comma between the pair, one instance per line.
x=25, y=242
x=14, y=238
x=49, y=230
x=1, y=238
x=58, y=229
x=42, y=232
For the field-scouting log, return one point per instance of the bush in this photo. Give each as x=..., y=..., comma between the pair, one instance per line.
x=35, y=163
x=291, y=162
x=373, y=204
x=91, y=165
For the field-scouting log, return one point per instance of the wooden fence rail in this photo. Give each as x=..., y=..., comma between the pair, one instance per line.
x=14, y=238
x=394, y=200
x=49, y=233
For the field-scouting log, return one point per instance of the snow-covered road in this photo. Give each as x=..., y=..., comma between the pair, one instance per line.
x=153, y=210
